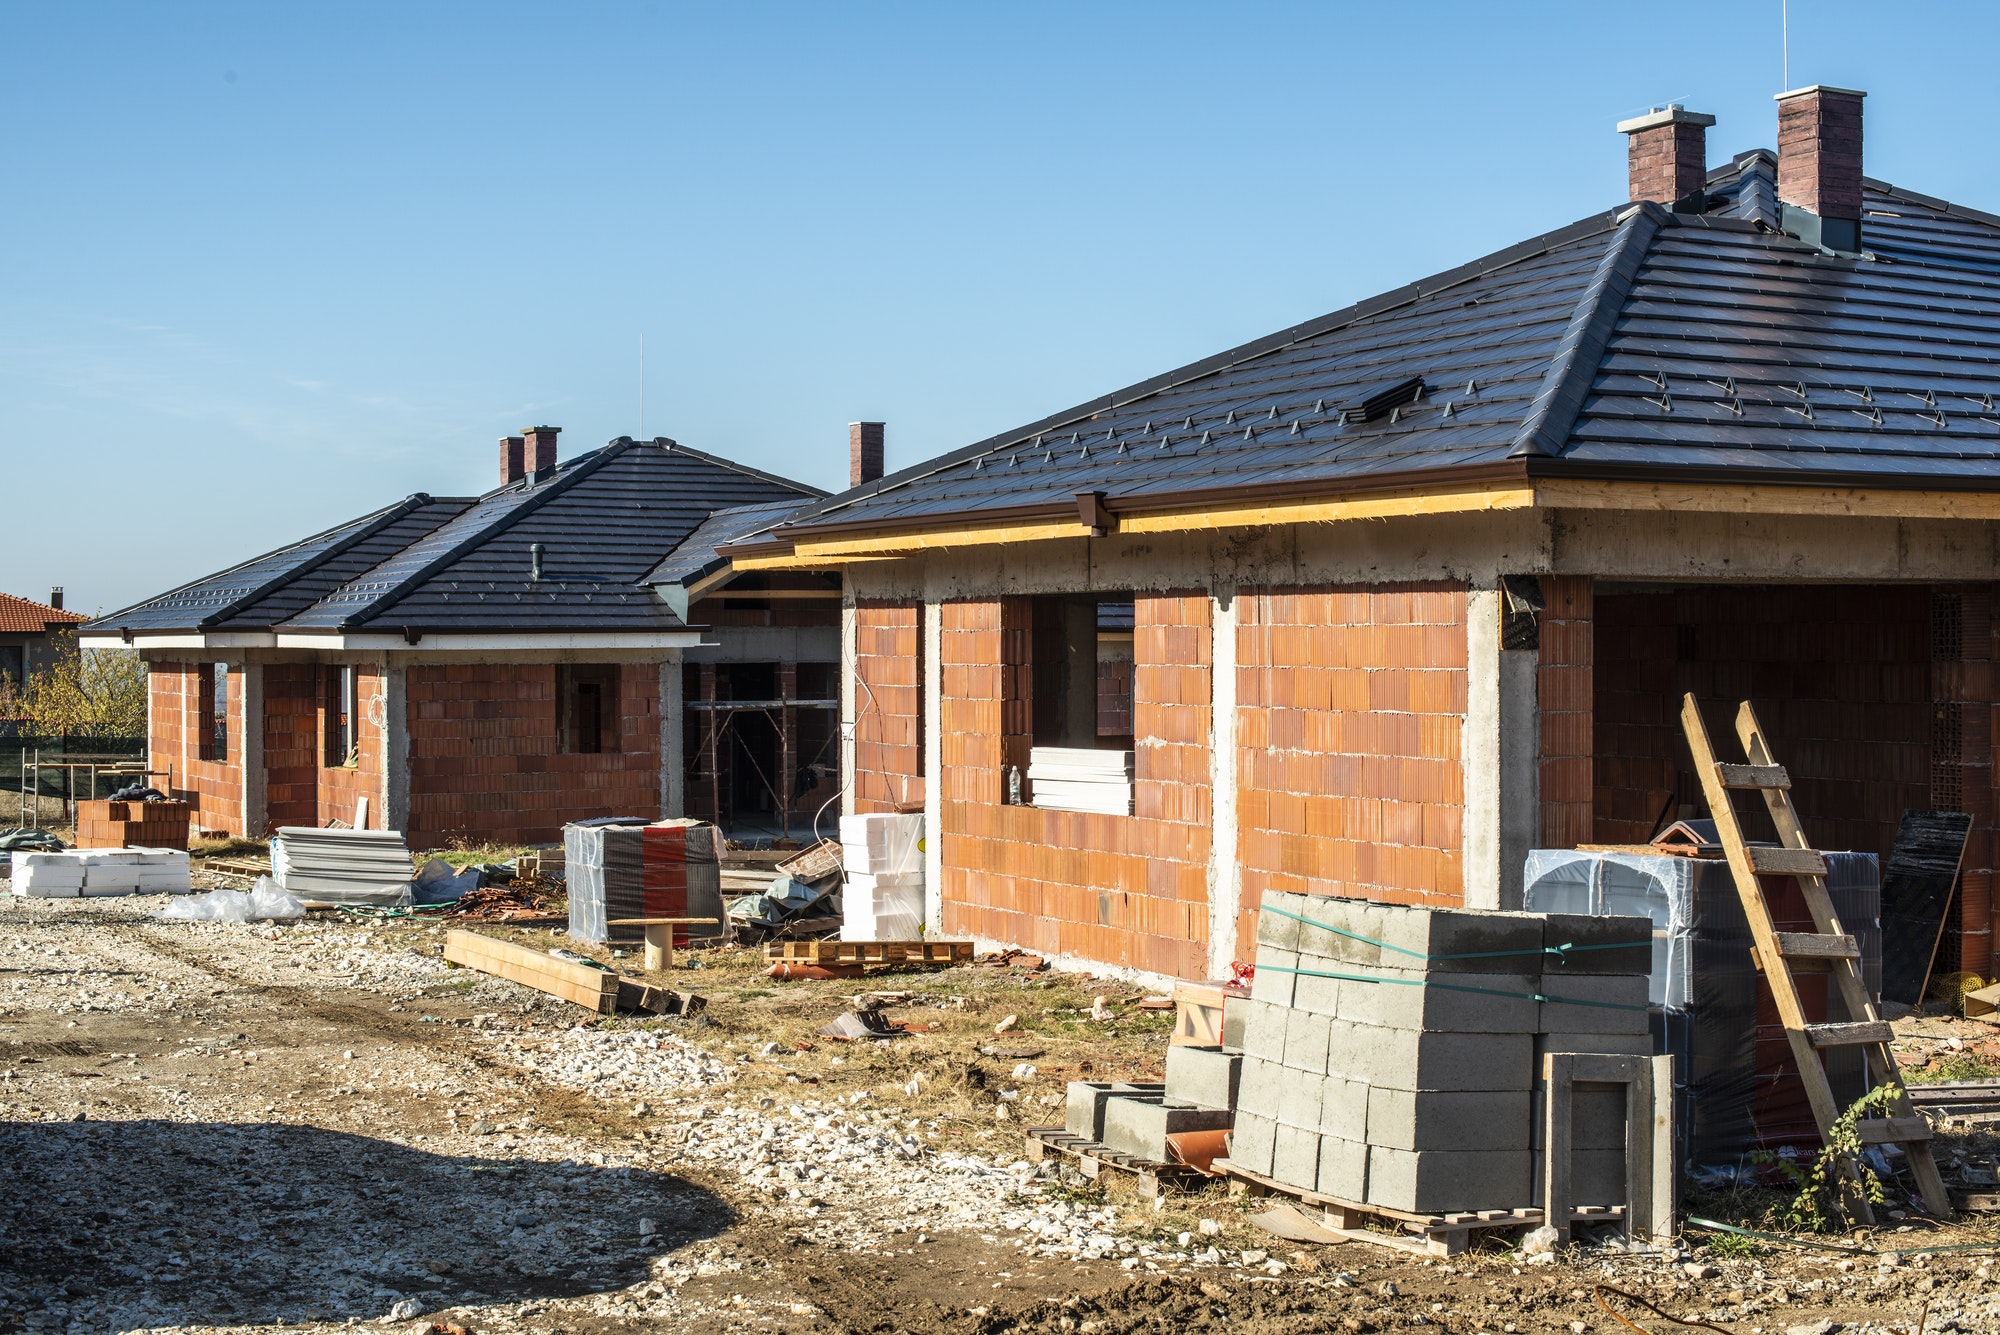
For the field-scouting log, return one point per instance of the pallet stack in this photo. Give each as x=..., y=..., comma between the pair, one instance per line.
x=1391, y=1054
x=132, y=824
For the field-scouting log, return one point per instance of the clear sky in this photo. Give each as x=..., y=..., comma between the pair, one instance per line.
x=265, y=267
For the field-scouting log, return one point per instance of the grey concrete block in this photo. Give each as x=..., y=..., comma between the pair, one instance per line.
x=1251, y=1141
x=1445, y=1002
x=1295, y=1157
x=1346, y=1051
x=1085, y=1114
x=1436, y=1181
x=1314, y=991
x=1233, y=1017
x=1207, y=1077
x=1622, y=1045
x=1343, y=1109
x=1610, y=945
x=1306, y=1041
x=1460, y=940
x=1278, y=929
x=1412, y=1059
x=1264, y=1029
x=1257, y=1087
x=1300, y=1097
x=1402, y=1119
x=1274, y=980
x=1594, y=1004
x=1343, y=1169
x=1596, y=1117
x=1360, y=923
x=1139, y=1126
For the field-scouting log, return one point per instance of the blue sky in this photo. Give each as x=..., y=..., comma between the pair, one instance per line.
x=271, y=266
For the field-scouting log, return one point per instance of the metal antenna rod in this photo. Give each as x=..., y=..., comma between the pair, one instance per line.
x=642, y=387
x=1785, y=40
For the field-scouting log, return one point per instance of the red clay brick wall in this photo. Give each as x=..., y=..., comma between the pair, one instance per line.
x=341, y=787
x=1350, y=710
x=888, y=704
x=483, y=758
x=1841, y=680
x=1126, y=890
x=291, y=744
x=1563, y=684
x=214, y=787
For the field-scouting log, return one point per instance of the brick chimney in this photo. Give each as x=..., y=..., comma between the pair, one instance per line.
x=55, y=597
x=1819, y=165
x=1667, y=150
x=864, y=452
x=539, y=455
x=512, y=470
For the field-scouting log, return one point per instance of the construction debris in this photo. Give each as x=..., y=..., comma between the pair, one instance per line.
x=342, y=866
x=264, y=902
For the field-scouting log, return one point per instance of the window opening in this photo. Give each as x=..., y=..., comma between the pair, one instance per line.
x=587, y=708
x=212, y=711
x=1081, y=673
x=338, y=740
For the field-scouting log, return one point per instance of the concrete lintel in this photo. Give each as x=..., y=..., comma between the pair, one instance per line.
x=1499, y=752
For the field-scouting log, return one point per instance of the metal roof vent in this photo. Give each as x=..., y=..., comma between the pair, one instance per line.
x=1383, y=400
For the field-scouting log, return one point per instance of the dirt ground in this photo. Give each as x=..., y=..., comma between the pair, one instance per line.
x=223, y=1127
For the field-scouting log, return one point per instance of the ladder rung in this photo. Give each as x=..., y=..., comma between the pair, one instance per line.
x=1815, y=946
x=1768, y=861
x=1893, y=1130
x=1850, y=1035
x=1752, y=776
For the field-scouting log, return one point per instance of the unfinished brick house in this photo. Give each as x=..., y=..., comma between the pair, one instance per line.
x=1417, y=586
x=478, y=668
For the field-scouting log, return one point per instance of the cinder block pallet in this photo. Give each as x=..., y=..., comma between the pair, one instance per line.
x=870, y=952
x=1154, y=1179
x=1431, y=1234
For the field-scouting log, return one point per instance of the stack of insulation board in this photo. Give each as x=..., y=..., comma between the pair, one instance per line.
x=882, y=855
x=342, y=866
x=1391, y=1053
x=132, y=824
x=1067, y=778
x=630, y=868
x=101, y=871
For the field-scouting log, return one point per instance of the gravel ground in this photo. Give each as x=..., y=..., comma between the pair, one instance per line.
x=220, y=1127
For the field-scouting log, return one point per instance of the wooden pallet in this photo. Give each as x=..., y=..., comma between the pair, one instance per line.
x=1429, y=1234
x=870, y=952
x=1827, y=950
x=1154, y=1179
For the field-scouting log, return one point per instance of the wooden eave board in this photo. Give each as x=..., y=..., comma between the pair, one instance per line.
x=578, y=983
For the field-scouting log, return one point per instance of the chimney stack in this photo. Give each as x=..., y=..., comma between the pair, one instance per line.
x=512, y=470
x=1667, y=151
x=864, y=452
x=1819, y=165
x=55, y=597
x=540, y=450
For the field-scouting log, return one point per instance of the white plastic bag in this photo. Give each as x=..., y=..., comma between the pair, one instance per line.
x=264, y=901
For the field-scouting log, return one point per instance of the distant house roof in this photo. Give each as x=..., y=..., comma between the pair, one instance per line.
x=464, y=565
x=1635, y=344
x=24, y=616
x=696, y=557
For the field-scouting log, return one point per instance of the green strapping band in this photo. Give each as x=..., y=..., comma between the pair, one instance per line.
x=1561, y=952
x=1449, y=987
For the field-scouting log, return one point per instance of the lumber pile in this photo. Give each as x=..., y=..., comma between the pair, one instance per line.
x=588, y=986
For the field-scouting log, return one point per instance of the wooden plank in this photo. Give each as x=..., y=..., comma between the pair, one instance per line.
x=1893, y=1130
x=1812, y=945
x=578, y=983
x=1766, y=861
x=1916, y=894
x=1558, y=1079
x=1743, y=777
x=1850, y=1035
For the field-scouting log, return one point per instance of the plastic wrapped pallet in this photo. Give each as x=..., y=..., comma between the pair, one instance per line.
x=882, y=844
x=342, y=866
x=627, y=867
x=1734, y=1087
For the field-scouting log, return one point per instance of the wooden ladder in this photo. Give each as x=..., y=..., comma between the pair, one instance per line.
x=1829, y=949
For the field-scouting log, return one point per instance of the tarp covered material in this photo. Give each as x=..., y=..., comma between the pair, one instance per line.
x=656, y=869
x=1734, y=1087
x=342, y=866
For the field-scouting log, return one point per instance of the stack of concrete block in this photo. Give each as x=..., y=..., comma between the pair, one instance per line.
x=1136, y=1119
x=101, y=871
x=1402, y=1074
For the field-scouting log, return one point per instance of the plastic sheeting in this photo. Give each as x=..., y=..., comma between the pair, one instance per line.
x=637, y=869
x=1734, y=1087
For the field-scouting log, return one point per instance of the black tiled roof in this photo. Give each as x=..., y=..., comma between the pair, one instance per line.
x=696, y=556
x=603, y=520
x=1636, y=340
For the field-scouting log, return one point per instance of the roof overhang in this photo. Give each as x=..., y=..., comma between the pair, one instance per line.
x=443, y=642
